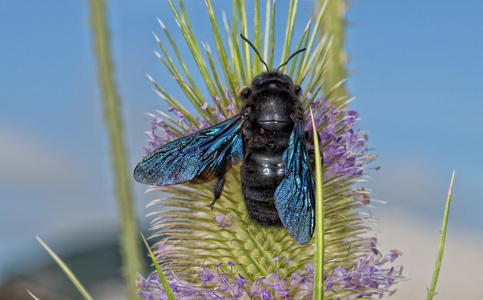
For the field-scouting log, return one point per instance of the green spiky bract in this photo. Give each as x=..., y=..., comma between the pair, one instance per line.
x=185, y=228
x=334, y=25
x=439, y=259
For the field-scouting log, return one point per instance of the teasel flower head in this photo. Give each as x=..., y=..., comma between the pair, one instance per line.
x=221, y=253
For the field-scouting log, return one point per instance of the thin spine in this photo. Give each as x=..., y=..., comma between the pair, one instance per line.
x=300, y=56
x=257, y=36
x=223, y=58
x=193, y=92
x=199, y=55
x=272, y=35
x=266, y=31
x=247, y=51
x=214, y=71
x=292, y=13
x=185, y=28
x=333, y=24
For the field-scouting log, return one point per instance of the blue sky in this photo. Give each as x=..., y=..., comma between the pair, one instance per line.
x=416, y=70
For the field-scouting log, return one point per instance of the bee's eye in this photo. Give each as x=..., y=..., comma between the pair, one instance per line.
x=287, y=78
x=257, y=78
x=245, y=93
x=298, y=89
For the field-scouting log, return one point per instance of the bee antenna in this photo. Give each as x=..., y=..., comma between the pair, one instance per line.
x=256, y=51
x=291, y=56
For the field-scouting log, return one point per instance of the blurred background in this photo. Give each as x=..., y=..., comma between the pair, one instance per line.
x=415, y=68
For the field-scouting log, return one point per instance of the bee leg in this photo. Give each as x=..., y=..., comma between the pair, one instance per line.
x=218, y=189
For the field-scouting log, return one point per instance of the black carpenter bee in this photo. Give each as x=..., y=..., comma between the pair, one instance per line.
x=268, y=136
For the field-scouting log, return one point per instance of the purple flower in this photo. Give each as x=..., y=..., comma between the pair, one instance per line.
x=368, y=278
x=363, y=197
x=224, y=221
x=240, y=281
x=308, y=96
x=180, y=116
x=265, y=295
x=204, y=125
x=207, y=275
x=371, y=243
x=277, y=284
x=219, y=115
x=341, y=145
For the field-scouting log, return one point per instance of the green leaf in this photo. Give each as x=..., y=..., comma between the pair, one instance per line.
x=319, y=213
x=67, y=271
x=32, y=295
x=166, y=286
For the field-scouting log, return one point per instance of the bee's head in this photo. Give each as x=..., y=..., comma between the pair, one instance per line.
x=271, y=101
x=272, y=79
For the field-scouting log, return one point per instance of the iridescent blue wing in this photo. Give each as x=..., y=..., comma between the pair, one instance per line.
x=295, y=196
x=200, y=157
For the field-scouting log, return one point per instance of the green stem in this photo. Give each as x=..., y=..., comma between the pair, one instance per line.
x=333, y=25
x=319, y=219
x=130, y=248
x=441, y=243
